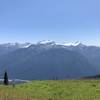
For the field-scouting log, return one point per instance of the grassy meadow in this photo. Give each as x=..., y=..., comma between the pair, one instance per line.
x=53, y=90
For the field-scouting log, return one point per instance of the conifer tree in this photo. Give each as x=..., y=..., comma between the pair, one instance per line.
x=6, y=81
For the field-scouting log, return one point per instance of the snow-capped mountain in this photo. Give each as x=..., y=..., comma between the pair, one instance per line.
x=17, y=45
x=10, y=47
x=44, y=42
x=48, y=59
x=49, y=42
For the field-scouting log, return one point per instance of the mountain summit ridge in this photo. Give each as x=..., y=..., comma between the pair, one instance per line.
x=44, y=42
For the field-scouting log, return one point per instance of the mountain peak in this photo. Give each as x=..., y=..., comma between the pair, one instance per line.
x=18, y=45
x=81, y=45
x=46, y=42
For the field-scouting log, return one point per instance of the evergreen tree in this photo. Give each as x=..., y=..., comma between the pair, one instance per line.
x=6, y=81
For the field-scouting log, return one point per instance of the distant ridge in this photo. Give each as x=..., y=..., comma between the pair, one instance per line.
x=92, y=77
x=27, y=44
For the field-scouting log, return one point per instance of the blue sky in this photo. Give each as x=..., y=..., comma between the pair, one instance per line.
x=57, y=20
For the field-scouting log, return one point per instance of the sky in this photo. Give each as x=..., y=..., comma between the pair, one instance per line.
x=57, y=20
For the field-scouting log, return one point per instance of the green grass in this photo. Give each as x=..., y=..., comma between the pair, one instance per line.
x=53, y=90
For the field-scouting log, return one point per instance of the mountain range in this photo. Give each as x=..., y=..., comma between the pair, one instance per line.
x=47, y=60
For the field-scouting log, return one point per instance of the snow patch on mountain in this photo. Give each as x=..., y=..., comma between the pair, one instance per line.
x=72, y=44
x=46, y=42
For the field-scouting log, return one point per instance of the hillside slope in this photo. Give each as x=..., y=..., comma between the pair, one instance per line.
x=46, y=64
x=53, y=90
